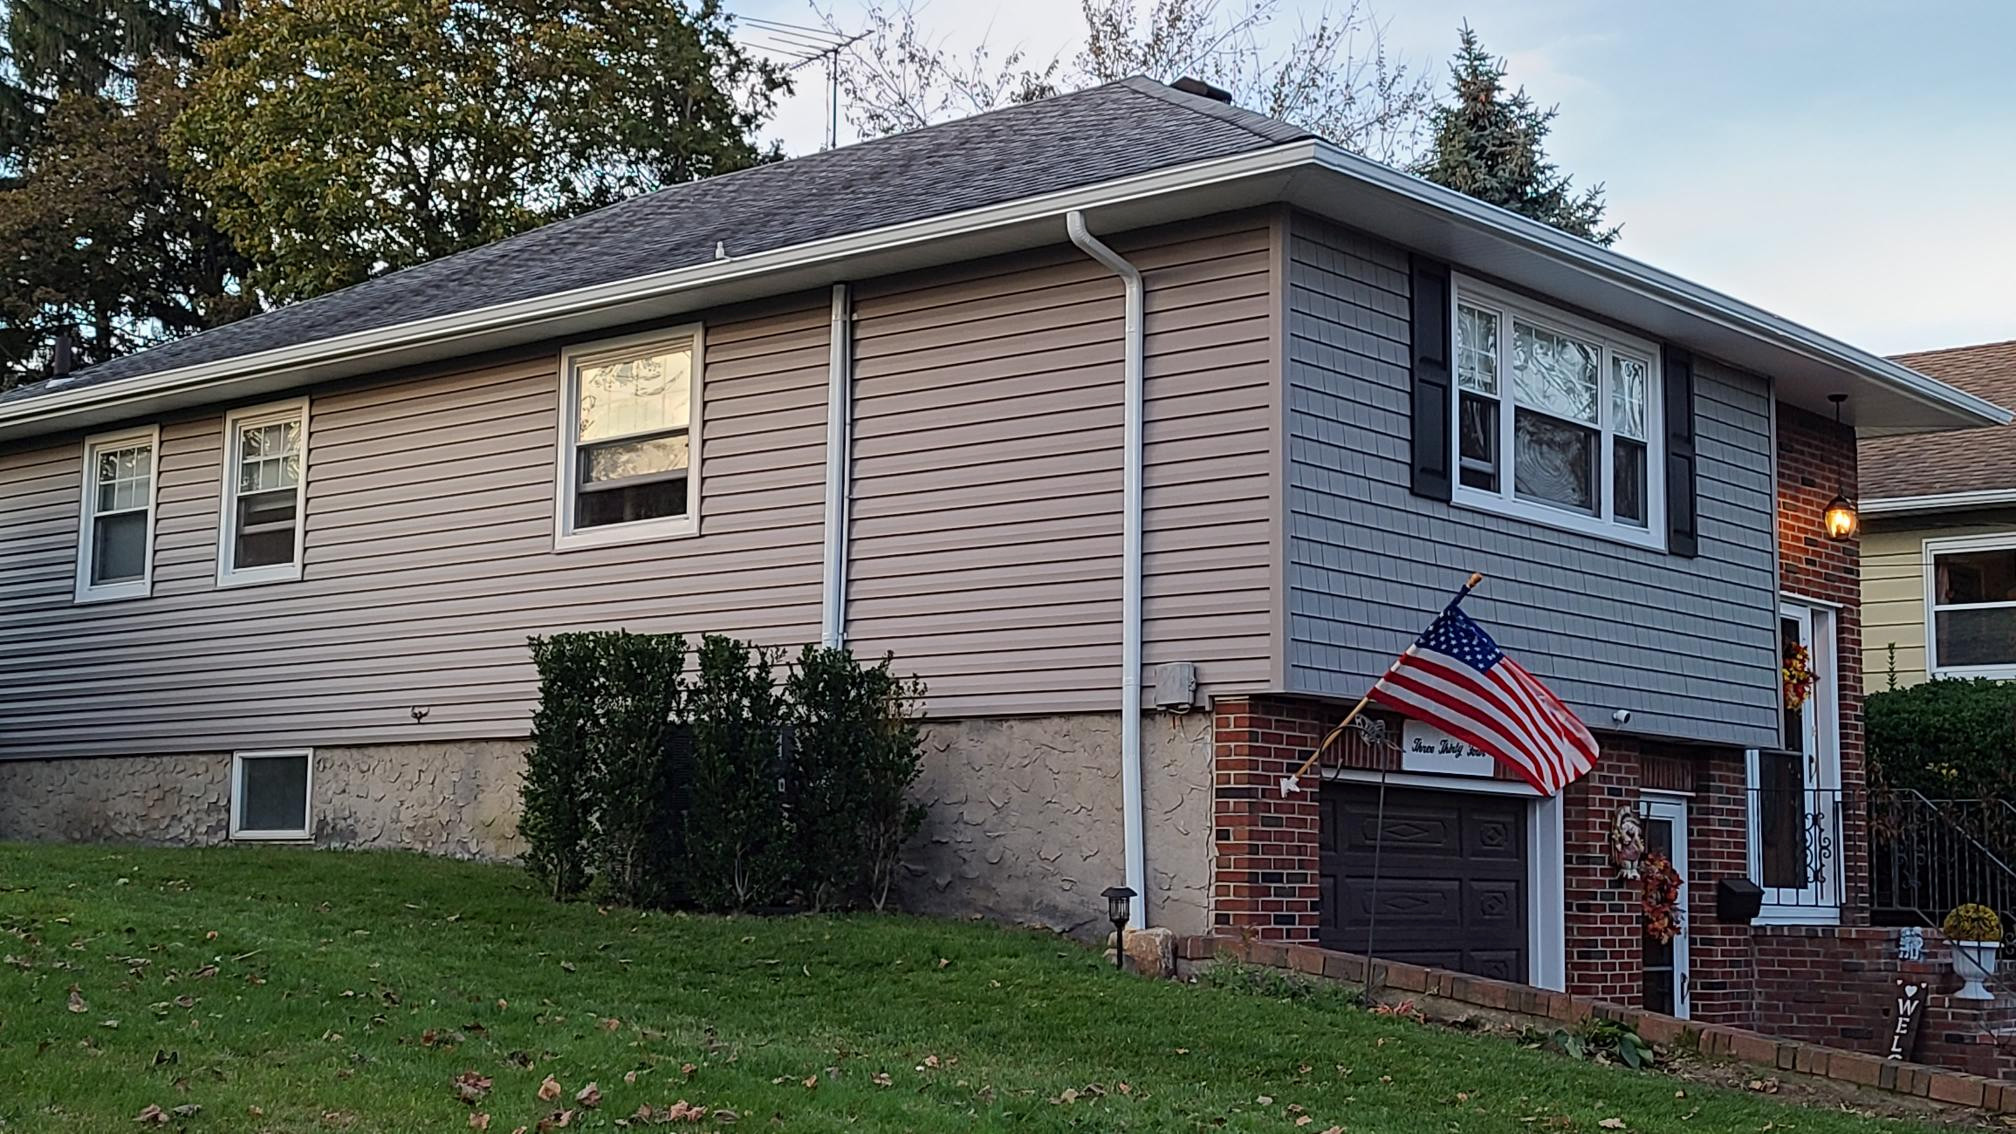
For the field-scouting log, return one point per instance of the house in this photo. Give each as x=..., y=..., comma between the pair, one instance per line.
x=1939, y=535
x=1145, y=429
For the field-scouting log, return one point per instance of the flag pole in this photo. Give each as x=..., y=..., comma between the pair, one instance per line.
x=1292, y=782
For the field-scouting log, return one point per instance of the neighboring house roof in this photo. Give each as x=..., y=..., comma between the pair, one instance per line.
x=1094, y=135
x=1963, y=468
x=1125, y=155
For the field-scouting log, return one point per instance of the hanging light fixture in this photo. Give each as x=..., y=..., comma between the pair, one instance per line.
x=1840, y=519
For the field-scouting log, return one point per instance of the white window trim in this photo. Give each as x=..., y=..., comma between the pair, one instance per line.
x=238, y=760
x=131, y=588
x=565, y=538
x=1507, y=305
x=1933, y=548
x=227, y=519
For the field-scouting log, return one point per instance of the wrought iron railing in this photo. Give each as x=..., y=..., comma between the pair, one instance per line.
x=1929, y=855
x=1797, y=846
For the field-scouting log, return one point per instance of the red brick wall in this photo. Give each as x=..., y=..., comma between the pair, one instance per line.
x=1265, y=850
x=1816, y=459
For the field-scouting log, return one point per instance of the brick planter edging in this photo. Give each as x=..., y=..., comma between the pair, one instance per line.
x=1537, y=1004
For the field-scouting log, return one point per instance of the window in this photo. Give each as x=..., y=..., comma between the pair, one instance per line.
x=270, y=793
x=630, y=431
x=265, y=478
x=115, y=549
x=1557, y=418
x=1970, y=623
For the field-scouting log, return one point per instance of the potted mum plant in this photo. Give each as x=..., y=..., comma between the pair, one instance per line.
x=1975, y=934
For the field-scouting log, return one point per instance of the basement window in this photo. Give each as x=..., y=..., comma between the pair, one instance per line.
x=115, y=552
x=270, y=793
x=630, y=436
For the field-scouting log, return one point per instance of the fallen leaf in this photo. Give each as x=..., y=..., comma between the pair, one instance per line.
x=611, y=1024
x=629, y=1076
x=479, y=1122
x=1265, y=1100
x=589, y=1096
x=881, y=1079
x=470, y=1087
x=811, y=1082
x=1612, y=1124
x=556, y=1120
x=687, y=1069
x=187, y=1110
x=152, y=1113
x=77, y=1005
x=549, y=1090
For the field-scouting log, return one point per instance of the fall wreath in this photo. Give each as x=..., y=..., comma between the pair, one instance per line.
x=1659, y=885
x=1798, y=675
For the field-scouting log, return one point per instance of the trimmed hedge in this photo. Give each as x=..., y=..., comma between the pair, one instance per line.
x=1947, y=739
x=649, y=783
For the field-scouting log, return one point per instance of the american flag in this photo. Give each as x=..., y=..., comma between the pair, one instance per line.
x=1457, y=679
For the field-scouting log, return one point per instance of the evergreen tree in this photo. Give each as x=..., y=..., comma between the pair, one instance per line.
x=1490, y=145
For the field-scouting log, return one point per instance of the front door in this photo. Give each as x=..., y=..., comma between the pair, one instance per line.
x=1795, y=850
x=1452, y=886
x=1666, y=982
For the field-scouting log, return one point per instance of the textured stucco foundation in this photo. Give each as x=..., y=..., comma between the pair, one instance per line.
x=1023, y=814
x=456, y=798
x=1024, y=820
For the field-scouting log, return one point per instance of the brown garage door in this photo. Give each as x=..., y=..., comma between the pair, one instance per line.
x=1452, y=878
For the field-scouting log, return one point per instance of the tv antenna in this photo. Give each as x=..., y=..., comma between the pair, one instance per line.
x=803, y=46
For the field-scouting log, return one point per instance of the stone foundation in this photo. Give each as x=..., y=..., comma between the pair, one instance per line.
x=457, y=798
x=1024, y=821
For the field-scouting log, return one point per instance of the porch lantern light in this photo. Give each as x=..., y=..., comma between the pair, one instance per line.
x=1840, y=520
x=1118, y=900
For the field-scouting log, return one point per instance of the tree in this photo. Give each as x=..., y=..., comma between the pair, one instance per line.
x=1333, y=77
x=96, y=232
x=340, y=139
x=98, y=235
x=1490, y=145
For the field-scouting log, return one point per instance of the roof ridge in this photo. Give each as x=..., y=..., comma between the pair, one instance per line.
x=1279, y=130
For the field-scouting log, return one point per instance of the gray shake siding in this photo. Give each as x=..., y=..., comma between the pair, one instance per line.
x=1687, y=645
x=986, y=524
x=986, y=521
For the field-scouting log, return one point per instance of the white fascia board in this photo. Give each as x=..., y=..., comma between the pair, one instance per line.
x=1617, y=270
x=471, y=326
x=1940, y=502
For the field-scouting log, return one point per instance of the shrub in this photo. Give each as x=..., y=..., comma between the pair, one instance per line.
x=559, y=781
x=738, y=847
x=853, y=757
x=1948, y=739
x=1971, y=922
x=636, y=823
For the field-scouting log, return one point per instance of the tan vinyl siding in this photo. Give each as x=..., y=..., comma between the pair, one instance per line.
x=429, y=562
x=986, y=522
x=1893, y=588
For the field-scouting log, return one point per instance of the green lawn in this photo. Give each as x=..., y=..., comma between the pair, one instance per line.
x=286, y=990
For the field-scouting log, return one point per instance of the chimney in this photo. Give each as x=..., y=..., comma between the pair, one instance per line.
x=1202, y=89
x=62, y=354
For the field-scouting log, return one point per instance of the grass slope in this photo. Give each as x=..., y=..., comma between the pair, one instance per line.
x=345, y=991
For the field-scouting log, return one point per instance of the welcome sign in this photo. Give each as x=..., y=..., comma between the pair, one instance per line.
x=1425, y=748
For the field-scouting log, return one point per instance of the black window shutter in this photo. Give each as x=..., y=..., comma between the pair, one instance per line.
x=1683, y=535
x=1433, y=451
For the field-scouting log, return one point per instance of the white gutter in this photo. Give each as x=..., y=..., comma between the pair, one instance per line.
x=839, y=448
x=660, y=285
x=1663, y=287
x=1133, y=813
x=1942, y=502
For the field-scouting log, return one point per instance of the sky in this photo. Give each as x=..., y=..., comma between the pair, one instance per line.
x=1848, y=165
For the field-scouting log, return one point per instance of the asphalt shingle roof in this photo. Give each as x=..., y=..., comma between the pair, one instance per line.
x=1966, y=460
x=1117, y=130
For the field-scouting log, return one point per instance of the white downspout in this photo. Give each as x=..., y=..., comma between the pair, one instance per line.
x=839, y=449
x=1134, y=815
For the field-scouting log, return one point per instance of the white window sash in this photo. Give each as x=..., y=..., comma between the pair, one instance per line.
x=236, y=423
x=566, y=483
x=89, y=513
x=1507, y=307
x=1960, y=545
x=238, y=762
